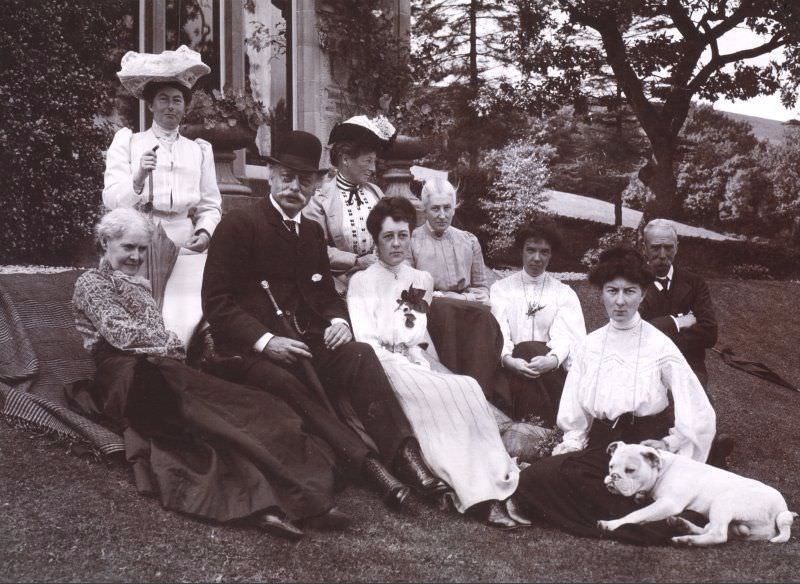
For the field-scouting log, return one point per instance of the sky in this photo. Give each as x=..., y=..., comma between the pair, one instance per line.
x=764, y=106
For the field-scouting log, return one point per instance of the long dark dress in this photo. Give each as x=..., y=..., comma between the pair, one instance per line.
x=206, y=447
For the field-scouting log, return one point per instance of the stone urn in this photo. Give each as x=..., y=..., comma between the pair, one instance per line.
x=399, y=159
x=225, y=139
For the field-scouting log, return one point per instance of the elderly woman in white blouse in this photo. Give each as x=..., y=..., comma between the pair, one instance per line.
x=629, y=382
x=452, y=256
x=160, y=171
x=541, y=319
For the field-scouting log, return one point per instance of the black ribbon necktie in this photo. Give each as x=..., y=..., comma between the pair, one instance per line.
x=291, y=226
x=354, y=195
x=664, y=284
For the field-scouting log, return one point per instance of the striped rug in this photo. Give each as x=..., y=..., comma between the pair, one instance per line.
x=40, y=353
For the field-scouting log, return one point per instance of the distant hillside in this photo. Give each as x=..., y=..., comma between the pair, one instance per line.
x=763, y=128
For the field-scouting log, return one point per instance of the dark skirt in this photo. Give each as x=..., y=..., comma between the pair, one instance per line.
x=207, y=447
x=468, y=341
x=535, y=397
x=568, y=490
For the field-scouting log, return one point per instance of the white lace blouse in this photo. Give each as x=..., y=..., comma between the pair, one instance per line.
x=621, y=370
x=557, y=317
x=184, y=177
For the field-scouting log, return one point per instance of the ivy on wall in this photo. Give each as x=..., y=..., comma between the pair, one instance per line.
x=368, y=62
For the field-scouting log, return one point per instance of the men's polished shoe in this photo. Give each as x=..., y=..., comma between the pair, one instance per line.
x=411, y=468
x=392, y=491
x=498, y=517
x=276, y=524
x=332, y=520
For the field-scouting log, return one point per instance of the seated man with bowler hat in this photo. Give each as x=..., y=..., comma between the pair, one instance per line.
x=272, y=241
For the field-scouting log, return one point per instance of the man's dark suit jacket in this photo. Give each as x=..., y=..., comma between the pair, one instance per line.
x=687, y=292
x=251, y=245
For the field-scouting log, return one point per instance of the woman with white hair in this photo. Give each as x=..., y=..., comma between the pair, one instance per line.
x=467, y=338
x=206, y=447
x=452, y=256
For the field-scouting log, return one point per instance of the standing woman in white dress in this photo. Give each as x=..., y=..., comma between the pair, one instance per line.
x=450, y=416
x=182, y=171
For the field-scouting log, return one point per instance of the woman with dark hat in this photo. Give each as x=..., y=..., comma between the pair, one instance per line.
x=342, y=205
x=162, y=171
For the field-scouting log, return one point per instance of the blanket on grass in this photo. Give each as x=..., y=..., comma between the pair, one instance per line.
x=40, y=353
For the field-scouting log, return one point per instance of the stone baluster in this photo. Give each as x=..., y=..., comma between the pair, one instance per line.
x=397, y=175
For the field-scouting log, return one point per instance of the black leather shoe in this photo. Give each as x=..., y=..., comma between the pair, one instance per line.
x=333, y=520
x=392, y=491
x=277, y=525
x=411, y=468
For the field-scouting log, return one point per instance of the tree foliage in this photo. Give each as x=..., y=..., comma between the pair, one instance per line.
x=60, y=59
x=518, y=173
x=662, y=54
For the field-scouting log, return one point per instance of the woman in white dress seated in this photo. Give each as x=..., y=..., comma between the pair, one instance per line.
x=541, y=319
x=160, y=171
x=628, y=382
x=457, y=432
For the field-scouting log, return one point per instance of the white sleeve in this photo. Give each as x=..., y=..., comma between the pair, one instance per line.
x=568, y=326
x=118, y=178
x=209, y=209
x=360, y=302
x=572, y=418
x=695, y=420
x=499, y=302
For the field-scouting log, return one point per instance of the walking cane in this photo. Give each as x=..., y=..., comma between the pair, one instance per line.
x=288, y=331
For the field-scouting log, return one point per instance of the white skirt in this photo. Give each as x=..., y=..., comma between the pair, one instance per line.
x=183, y=309
x=457, y=432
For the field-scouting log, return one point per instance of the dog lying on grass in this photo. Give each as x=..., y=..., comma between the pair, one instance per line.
x=734, y=505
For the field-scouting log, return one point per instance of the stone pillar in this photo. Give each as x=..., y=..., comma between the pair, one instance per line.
x=397, y=176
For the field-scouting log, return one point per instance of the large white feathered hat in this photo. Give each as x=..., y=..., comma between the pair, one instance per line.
x=182, y=65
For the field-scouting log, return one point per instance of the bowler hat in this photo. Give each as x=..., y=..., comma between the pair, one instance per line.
x=299, y=151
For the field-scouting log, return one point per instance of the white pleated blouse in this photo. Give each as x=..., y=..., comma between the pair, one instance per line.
x=616, y=371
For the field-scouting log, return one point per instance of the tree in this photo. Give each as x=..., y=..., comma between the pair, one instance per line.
x=663, y=54
x=782, y=163
x=720, y=177
x=458, y=47
x=60, y=59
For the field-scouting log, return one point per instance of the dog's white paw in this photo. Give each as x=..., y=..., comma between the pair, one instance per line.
x=684, y=540
x=608, y=525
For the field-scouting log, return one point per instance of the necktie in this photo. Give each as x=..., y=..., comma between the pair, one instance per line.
x=354, y=195
x=291, y=226
x=664, y=284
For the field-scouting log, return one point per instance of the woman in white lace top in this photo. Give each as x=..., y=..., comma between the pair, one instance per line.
x=628, y=382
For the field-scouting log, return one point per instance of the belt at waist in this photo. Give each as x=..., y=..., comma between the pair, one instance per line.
x=167, y=214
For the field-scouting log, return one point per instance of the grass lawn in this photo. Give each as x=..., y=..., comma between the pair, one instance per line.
x=66, y=518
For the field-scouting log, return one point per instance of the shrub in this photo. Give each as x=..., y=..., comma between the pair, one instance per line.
x=59, y=58
x=751, y=272
x=620, y=236
x=517, y=173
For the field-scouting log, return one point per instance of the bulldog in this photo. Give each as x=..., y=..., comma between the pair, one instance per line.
x=746, y=508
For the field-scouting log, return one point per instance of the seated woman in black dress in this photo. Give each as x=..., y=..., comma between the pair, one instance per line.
x=628, y=382
x=206, y=447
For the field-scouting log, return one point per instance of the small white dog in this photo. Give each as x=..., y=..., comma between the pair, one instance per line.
x=752, y=510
